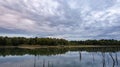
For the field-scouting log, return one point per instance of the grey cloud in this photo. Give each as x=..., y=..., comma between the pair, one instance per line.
x=80, y=19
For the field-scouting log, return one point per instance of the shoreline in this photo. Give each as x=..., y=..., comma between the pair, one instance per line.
x=36, y=46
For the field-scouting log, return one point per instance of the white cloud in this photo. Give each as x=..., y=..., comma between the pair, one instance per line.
x=17, y=35
x=42, y=7
x=14, y=20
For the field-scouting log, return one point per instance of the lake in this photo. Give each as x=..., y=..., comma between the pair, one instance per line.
x=60, y=57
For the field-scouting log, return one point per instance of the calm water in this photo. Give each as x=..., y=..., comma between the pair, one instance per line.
x=60, y=57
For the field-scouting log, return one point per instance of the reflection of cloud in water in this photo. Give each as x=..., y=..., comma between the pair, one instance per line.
x=69, y=59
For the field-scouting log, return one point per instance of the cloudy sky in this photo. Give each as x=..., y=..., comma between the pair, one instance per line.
x=69, y=19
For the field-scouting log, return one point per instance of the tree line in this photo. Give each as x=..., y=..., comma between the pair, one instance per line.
x=104, y=42
x=17, y=41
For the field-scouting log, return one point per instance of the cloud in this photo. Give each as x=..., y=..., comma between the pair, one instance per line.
x=73, y=19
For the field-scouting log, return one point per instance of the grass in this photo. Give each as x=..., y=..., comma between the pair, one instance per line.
x=69, y=46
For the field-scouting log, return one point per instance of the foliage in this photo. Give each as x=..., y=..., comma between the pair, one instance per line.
x=17, y=41
x=104, y=42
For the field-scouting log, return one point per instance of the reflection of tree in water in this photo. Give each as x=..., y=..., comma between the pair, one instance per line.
x=44, y=63
x=80, y=56
x=34, y=61
x=105, y=56
x=116, y=58
x=103, y=60
x=112, y=59
x=93, y=58
x=54, y=51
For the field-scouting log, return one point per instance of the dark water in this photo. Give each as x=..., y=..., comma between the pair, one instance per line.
x=60, y=57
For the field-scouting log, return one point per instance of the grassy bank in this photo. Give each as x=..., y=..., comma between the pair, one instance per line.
x=38, y=46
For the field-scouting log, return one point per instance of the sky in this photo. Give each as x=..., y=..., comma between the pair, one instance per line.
x=68, y=19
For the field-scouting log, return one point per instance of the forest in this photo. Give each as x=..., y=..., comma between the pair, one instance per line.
x=17, y=41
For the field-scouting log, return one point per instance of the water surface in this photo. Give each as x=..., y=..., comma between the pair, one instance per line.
x=60, y=57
